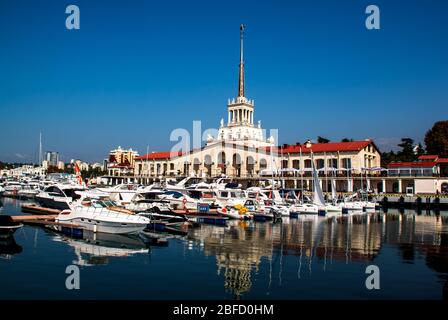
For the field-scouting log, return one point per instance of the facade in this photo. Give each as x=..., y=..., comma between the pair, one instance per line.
x=428, y=175
x=121, y=161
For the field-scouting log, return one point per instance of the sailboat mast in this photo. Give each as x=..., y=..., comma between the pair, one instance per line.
x=40, y=153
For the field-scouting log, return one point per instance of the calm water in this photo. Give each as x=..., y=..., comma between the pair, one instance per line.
x=314, y=258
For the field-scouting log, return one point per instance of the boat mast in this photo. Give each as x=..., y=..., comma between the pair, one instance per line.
x=40, y=153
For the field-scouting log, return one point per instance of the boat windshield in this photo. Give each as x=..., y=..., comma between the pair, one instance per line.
x=103, y=204
x=237, y=194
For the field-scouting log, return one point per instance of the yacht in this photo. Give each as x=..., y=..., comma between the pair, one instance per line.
x=102, y=216
x=148, y=200
x=59, y=196
x=12, y=188
x=122, y=193
x=185, y=183
x=29, y=190
x=230, y=197
x=179, y=200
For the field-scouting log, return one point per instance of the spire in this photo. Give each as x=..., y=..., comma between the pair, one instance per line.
x=241, y=73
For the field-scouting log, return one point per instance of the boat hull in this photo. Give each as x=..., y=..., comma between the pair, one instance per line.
x=106, y=226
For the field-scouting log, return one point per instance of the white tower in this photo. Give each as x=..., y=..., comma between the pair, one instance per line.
x=240, y=124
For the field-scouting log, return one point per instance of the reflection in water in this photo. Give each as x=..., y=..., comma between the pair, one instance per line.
x=9, y=247
x=308, y=257
x=241, y=246
x=97, y=248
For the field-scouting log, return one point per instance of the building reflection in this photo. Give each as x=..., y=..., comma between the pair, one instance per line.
x=241, y=247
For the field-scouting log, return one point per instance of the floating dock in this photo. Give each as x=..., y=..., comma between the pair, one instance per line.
x=35, y=209
x=414, y=201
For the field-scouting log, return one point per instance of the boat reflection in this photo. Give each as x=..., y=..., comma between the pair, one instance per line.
x=9, y=247
x=97, y=248
x=316, y=242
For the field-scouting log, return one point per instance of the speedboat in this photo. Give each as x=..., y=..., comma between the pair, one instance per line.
x=122, y=193
x=12, y=188
x=148, y=201
x=59, y=196
x=29, y=191
x=8, y=226
x=179, y=200
x=230, y=197
x=102, y=216
x=262, y=212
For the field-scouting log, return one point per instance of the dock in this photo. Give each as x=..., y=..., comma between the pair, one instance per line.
x=35, y=209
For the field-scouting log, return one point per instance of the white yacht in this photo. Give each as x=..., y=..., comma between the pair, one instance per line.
x=12, y=188
x=148, y=200
x=29, y=190
x=230, y=197
x=59, y=196
x=122, y=193
x=179, y=200
x=101, y=216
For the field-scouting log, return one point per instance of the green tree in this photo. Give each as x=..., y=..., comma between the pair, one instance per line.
x=436, y=139
x=407, y=150
x=322, y=140
x=347, y=140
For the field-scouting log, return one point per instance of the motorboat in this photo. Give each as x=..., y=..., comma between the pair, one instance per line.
x=102, y=216
x=264, y=209
x=29, y=191
x=122, y=193
x=148, y=200
x=59, y=196
x=188, y=182
x=8, y=226
x=230, y=197
x=179, y=200
x=12, y=188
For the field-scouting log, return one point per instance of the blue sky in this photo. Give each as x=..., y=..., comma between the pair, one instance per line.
x=138, y=69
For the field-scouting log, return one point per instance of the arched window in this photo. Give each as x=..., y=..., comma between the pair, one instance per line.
x=263, y=164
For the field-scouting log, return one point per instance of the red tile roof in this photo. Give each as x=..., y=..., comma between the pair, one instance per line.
x=428, y=157
x=442, y=160
x=326, y=147
x=159, y=155
x=415, y=164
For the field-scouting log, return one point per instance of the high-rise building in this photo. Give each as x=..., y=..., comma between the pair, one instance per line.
x=52, y=158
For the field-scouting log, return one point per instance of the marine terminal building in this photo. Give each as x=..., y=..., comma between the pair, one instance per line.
x=242, y=151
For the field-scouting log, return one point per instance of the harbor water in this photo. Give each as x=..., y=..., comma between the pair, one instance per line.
x=305, y=258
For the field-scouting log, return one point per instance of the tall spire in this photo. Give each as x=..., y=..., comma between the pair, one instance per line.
x=241, y=73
